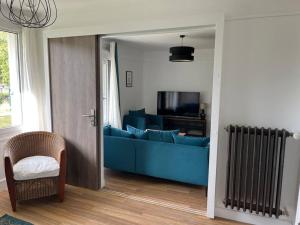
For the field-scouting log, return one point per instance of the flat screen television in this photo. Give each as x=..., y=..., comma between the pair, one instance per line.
x=178, y=103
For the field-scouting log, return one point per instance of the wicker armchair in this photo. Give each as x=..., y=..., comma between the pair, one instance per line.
x=35, y=144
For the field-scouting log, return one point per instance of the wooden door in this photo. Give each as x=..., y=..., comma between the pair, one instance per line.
x=75, y=91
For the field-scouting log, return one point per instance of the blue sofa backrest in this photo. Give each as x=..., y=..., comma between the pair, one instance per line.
x=177, y=162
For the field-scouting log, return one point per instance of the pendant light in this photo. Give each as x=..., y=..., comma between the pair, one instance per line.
x=29, y=13
x=181, y=53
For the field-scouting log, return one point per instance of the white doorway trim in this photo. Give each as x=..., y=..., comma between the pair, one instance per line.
x=297, y=219
x=216, y=20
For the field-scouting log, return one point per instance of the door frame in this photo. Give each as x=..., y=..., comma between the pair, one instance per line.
x=297, y=217
x=216, y=20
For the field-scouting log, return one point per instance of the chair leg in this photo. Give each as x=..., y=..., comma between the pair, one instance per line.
x=13, y=203
x=62, y=176
x=61, y=192
x=61, y=188
x=10, y=183
x=61, y=195
x=12, y=195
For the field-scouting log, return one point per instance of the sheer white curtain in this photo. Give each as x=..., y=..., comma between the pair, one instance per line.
x=114, y=117
x=32, y=82
x=13, y=57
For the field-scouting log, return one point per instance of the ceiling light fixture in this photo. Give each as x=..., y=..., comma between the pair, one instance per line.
x=181, y=53
x=29, y=13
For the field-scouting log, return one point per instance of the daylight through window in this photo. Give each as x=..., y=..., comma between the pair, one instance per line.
x=10, y=104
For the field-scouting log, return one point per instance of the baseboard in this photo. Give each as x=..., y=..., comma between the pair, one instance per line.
x=3, y=184
x=250, y=218
x=291, y=212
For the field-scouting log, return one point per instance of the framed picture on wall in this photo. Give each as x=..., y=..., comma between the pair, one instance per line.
x=129, y=79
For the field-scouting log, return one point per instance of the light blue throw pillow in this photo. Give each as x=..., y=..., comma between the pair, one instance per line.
x=120, y=133
x=137, y=133
x=162, y=135
x=187, y=140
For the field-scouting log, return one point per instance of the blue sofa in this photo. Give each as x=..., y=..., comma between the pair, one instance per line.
x=183, y=163
x=141, y=120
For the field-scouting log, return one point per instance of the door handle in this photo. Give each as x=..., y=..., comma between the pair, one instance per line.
x=92, y=117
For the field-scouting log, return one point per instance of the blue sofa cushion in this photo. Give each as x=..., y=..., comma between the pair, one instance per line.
x=120, y=133
x=138, y=122
x=138, y=113
x=137, y=133
x=186, y=140
x=162, y=135
x=106, y=130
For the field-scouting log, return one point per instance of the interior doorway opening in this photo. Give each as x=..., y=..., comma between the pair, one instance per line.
x=144, y=71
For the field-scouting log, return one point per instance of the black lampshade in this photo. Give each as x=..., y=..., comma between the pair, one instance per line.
x=181, y=54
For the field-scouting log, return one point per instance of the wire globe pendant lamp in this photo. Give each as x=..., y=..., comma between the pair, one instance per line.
x=181, y=53
x=29, y=13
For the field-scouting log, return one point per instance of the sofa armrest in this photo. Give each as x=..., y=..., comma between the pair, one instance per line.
x=63, y=163
x=57, y=148
x=58, y=153
x=8, y=167
x=137, y=122
x=9, y=173
x=10, y=181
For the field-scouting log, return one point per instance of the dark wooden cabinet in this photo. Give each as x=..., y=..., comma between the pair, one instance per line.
x=192, y=126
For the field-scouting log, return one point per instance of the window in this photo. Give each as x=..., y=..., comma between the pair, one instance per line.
x=10, y=101
x=105, y=88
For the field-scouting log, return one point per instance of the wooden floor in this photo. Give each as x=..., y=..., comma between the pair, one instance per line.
x=175, y=194
x=82, y=206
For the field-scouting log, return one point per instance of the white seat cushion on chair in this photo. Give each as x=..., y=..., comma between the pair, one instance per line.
x=36, y=167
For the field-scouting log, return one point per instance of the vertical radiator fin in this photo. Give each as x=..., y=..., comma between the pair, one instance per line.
x=255, y=169
x=233, y=165
x=252, y=169
x=246, y=170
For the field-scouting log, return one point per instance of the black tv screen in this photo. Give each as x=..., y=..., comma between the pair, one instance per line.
x=178, y=103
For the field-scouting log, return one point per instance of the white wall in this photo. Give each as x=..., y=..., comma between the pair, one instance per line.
x=152, y=72
x=261, y=87
x=162, y=75
x=297, y=219
x=130, y=59
x=256, y=53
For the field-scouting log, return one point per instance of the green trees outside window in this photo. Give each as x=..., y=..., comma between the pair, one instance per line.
x=5, y=87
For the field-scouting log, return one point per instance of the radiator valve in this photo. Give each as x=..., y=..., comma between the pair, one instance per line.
x=297, y=136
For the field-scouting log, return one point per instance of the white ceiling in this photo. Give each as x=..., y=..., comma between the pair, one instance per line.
x=203, y=38
x=96, y=12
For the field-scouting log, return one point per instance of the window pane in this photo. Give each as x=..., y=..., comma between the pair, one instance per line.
x=10, y=105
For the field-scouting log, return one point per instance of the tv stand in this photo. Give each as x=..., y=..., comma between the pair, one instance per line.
x=192, y=126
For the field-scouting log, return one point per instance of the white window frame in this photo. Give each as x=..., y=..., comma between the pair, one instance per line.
x=15, y=128
x=105, y=97
x=106, y=61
